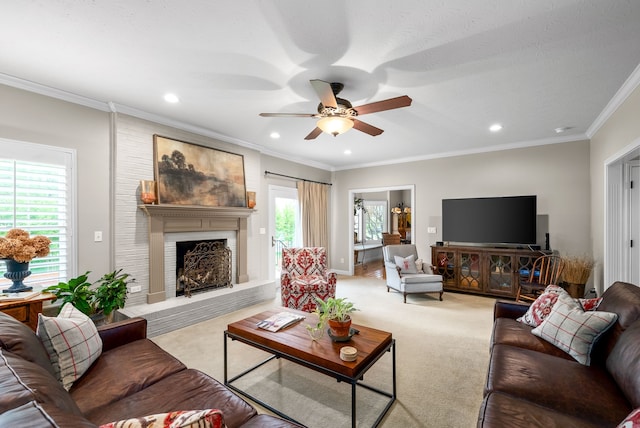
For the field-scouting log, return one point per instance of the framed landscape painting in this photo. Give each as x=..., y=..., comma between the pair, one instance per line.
x=189, y=174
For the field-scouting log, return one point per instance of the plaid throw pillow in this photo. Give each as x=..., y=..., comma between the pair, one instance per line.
x=572, y=329
x=72, y=342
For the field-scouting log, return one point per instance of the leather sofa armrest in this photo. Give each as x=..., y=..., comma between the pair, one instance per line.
x=505, y=309
x=122, y=332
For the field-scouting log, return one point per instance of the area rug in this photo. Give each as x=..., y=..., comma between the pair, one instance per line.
x=442, y=355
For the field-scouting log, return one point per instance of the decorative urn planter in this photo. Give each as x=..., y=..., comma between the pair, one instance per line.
x=17, y=272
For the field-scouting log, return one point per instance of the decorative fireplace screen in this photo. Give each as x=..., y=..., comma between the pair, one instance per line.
x=207, y=266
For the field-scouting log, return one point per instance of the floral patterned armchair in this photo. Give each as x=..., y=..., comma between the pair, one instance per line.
x=304, y=276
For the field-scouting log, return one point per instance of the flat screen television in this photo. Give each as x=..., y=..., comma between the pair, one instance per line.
x=498, y=220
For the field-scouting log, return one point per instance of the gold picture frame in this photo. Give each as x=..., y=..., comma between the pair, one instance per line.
x=190, y=174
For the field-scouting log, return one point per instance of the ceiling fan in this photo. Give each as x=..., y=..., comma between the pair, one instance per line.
x=337, y=115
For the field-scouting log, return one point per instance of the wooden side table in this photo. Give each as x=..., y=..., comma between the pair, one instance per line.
x=26, y=311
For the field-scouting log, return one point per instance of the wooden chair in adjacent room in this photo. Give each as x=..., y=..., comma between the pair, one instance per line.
x=546, y=270
x=390, y=239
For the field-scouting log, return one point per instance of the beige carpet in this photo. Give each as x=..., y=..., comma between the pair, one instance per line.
x=442, y=354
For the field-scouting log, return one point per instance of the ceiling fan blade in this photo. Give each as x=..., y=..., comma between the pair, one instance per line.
x=313, y=134
x=391, y=103
x=325, y=93
x=287, y=115
x=366, y=128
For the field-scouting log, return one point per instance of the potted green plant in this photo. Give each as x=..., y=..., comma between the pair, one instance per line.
x=110, y=293
x=76, y=291
x=98, y=300
x=335, y=312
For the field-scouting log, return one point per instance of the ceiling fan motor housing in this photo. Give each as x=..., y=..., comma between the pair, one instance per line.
x=343, y=105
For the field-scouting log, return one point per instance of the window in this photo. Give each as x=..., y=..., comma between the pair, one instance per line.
x=36, y=195
x=371, y=221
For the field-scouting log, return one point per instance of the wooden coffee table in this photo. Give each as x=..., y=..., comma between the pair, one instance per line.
x=293, y=343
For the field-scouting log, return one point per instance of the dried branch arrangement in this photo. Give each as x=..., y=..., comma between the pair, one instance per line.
x=577, y=269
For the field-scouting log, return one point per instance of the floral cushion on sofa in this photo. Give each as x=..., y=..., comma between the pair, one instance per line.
x=590, y=304
x=210, y=418
x=541, y=307
x=632, y=420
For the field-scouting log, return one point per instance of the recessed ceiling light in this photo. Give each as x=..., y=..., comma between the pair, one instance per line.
x=563, y=129
x=347, y=152
x=171, y=98
x=495, y=127
x=274, y=135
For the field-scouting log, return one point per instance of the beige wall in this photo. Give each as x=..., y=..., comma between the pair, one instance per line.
x=29, y=117
x=620, y=131
x=558, y=174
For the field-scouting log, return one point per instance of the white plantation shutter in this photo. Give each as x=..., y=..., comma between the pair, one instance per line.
x=36, y=195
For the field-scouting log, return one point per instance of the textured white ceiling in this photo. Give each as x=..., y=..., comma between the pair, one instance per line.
x=532, y=65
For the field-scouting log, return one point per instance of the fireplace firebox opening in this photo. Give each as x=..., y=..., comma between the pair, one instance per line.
x=202, y=265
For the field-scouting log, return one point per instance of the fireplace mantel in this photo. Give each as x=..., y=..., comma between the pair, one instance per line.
x=187, y=218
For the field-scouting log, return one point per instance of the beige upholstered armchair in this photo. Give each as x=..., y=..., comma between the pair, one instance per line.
x=405, y=276
x=304, y=277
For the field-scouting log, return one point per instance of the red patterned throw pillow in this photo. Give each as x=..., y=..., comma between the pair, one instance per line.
x=210, y=418
x=590, y=304
x=542, y=306
x=632, y=420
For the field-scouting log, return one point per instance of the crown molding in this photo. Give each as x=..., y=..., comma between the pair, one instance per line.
x=623, y=93
x=488, y=149
x=48, y=91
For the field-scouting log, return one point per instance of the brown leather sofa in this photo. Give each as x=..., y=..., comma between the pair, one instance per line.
x=133, y=377
x=531, y=383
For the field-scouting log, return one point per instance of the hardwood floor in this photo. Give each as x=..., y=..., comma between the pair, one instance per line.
x=372, y=269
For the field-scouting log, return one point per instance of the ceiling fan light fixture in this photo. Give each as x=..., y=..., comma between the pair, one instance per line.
x=335, y=125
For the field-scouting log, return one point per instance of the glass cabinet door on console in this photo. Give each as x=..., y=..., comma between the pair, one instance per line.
x=525, y=264
x=470, y=274
x=444, y=262
x=500, y=278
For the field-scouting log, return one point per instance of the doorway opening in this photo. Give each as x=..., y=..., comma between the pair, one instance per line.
x=365, y=249
x=622, y=211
